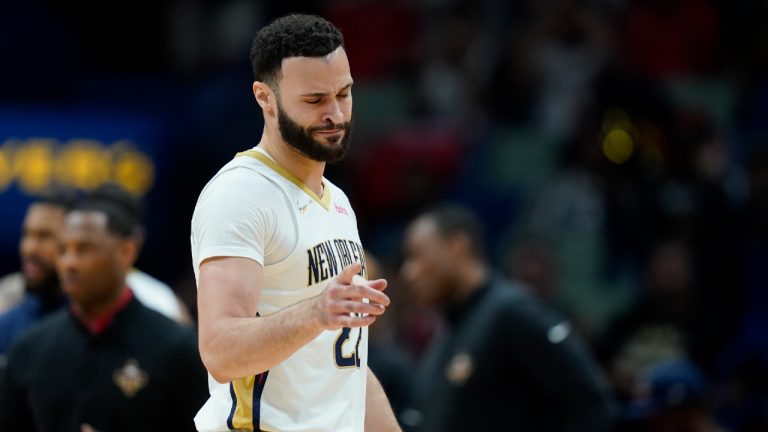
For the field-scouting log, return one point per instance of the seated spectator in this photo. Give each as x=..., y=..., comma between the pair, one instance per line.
x=673, y=396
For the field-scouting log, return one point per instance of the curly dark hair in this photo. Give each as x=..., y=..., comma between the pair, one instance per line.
x=291, y=36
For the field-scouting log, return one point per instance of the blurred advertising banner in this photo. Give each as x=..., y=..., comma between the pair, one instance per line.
x=77, y=147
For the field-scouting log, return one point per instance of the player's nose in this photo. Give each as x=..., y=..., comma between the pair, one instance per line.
x=334, y=115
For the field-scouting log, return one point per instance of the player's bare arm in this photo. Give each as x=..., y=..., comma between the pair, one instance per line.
x=379, y=416
x=235, y=343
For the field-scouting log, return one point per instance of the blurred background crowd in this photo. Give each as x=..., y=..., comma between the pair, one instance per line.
x=616, y=152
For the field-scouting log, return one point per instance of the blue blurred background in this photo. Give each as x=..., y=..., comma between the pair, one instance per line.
x=616, y=150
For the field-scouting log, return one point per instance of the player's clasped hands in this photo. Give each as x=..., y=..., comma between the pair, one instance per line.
x=351, y=301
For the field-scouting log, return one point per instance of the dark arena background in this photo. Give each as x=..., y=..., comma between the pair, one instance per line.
x=616, y=152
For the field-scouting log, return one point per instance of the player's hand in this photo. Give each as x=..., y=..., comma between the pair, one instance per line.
x=351, y=301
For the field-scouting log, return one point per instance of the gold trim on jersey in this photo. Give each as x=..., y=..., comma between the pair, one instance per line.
x=325, y=201
x=243, y=415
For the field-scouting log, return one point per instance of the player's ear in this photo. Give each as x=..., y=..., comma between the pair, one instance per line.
x=129, y=250
x=264, y=95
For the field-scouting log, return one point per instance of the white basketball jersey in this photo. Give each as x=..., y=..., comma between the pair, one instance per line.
x=254, y=208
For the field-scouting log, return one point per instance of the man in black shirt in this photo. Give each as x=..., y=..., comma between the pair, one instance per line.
x=504, y=361
x=106, y=363
x=33, y=293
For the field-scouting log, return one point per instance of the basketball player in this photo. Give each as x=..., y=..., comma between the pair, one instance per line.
x=283, y=302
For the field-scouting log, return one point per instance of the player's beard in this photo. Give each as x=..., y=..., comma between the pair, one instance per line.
x=48, y=286
x=303, y=141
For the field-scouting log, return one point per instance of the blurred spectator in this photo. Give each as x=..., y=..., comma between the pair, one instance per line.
x=744, y=365
x=701, y=199
x=210, y=35
x=38, y=249
x=504, y=360
x=34, y=292
x=571, y=214
x=456, y=58
x=743, y=402
x=673, y=396
x=663, y=324
x=532, y=263
x=149, y=291
x=107, y=362
x=569, y=45
x=672, y=38
x=757, y=222
x=378, y=35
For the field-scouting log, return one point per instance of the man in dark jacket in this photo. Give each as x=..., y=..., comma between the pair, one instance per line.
x=504, y=361
x=34, y=292
x=106, y=363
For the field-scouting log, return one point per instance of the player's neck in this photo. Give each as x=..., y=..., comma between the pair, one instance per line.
x=308, y=171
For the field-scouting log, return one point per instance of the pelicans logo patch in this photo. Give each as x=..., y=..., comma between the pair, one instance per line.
x=130, y=378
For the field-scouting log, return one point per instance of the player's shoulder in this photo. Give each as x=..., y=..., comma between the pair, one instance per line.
x=242, y=185
x=241, y=173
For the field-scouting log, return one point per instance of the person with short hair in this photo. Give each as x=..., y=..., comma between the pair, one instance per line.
x=34, y=292
x=505, y=361
x=106, y=362
x=283, y=303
